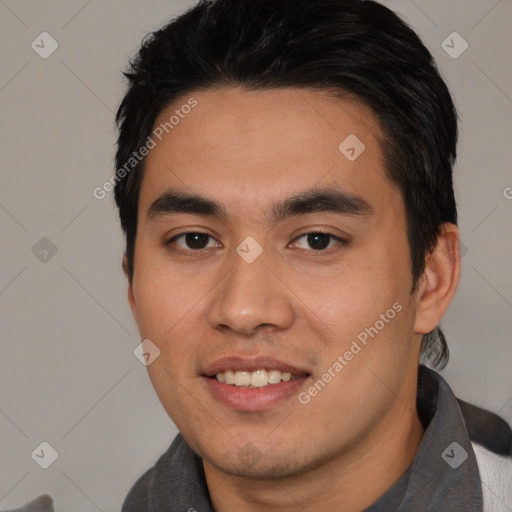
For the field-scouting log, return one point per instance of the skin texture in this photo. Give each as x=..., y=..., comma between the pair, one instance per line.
x=248, y=150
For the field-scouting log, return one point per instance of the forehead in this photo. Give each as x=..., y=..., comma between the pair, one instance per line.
x=248, y=146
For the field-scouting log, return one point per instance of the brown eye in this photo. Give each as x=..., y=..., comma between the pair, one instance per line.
x=191, y=242
x=196, y=240
x=318, y=241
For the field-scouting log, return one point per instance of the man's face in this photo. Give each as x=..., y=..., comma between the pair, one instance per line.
x=276, y=279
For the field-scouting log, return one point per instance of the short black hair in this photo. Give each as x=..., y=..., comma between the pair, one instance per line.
x=358, y=47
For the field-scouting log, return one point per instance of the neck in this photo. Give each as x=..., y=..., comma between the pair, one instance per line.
x=351, y=481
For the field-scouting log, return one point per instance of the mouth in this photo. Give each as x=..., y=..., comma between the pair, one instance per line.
x=253, y=384
x=256, y=379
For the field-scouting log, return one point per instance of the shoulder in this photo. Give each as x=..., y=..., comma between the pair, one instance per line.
x=487, y=429
x=491, y=438
x=139, y=498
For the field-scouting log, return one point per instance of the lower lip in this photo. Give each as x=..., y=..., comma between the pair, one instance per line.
x=253, y=399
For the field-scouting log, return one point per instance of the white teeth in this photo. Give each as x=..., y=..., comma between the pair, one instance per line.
x=259, y=378
x=243, y=379
x=274, y=376
x=256, y=379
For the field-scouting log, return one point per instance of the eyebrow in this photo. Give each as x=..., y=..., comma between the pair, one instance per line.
x=313, y=201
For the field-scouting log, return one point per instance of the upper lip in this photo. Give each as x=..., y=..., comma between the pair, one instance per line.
x=250, y=365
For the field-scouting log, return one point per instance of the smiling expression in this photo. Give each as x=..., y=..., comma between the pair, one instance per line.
x=262, y=252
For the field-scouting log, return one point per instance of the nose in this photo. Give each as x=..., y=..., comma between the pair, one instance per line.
x=251, y=296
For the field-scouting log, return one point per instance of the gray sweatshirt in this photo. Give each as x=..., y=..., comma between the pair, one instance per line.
x=444, y=475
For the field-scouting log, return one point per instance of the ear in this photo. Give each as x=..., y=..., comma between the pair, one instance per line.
x=439, y=281
x=131, y=298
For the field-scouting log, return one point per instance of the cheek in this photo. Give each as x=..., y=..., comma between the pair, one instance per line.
x=355, y=297
x=162, y=299
x=170, y=311
x=369, y=312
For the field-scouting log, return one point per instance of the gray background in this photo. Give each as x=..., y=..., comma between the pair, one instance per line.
x=68, y=375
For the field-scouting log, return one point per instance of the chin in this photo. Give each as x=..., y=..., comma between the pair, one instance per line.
x=250, y=462
x=261, y=470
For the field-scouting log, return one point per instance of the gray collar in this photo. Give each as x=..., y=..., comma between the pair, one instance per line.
x=444, y=474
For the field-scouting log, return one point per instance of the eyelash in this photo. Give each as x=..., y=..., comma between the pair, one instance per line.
x=191, y=252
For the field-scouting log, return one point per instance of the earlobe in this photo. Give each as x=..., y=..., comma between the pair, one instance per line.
x=439, y=281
